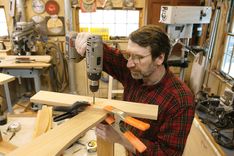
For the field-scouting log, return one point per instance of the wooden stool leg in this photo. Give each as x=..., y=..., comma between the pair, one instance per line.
x=104, y=148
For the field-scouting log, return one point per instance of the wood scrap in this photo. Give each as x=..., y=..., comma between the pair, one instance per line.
x=5, y=146
x=50, y=111
x=104, y=148
x=42, y=121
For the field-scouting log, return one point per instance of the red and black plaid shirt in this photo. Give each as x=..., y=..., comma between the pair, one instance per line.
x=167, y=135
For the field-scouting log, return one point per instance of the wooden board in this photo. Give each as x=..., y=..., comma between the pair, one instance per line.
x=104, y=148
x=5, y=78
x=42, y=121
x=60, y=99
x=55, y=141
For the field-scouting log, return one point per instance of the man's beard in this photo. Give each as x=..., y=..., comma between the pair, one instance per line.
x=137, y=75
x=141, y=75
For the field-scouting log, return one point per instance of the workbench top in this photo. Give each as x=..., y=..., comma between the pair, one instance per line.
x=5, y=78
x=39, y=61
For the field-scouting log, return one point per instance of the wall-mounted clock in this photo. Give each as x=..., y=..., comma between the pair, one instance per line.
x=38, y=6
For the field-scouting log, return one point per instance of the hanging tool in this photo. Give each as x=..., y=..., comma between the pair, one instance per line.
x=117, y=118
x=71, y=111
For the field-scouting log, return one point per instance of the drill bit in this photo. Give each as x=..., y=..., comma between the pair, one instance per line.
x=93, y=98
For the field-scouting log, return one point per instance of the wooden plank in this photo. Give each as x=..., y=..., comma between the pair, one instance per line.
x=42, y=121
x=5, y=78
x=61, y=99
x=104, y=148
x=55, y=141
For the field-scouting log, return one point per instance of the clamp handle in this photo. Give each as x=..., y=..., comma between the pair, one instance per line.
x=130, y=120
x=136, y=123
x=140, y=146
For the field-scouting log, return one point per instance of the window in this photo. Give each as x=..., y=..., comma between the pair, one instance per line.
x=118, y=22
x=3, y=23
x=228, y=59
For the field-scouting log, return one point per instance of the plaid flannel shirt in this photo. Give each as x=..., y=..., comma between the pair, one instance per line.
x=167, y=135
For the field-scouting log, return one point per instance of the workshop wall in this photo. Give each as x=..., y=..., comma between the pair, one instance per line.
x=214, y=82
x=81, y=77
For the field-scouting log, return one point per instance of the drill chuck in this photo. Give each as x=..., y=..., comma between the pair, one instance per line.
x=94, y=85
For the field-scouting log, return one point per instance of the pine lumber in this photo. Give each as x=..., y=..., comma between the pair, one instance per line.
x=42, y=121
x=61, y=99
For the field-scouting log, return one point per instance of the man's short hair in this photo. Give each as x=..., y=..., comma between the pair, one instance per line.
x=153, y=36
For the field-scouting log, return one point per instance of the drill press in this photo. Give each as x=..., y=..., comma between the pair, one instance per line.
x=94, y=62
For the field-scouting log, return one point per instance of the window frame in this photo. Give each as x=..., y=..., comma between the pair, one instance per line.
x=7, y=30
x=227, y=53
x=115, y=9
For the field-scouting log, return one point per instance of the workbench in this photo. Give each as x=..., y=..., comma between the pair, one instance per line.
x=4, y=79
x=32, y=69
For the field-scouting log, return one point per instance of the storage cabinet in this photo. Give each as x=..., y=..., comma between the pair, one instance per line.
x=154, y=6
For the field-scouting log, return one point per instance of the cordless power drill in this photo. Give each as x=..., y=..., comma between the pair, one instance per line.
x=94, y=60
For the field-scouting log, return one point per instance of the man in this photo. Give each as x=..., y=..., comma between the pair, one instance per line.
x=143, y=71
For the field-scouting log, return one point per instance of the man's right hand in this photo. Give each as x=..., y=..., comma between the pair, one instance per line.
x=81, y=42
